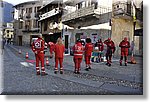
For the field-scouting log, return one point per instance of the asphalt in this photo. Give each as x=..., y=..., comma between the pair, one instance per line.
x=101, y=79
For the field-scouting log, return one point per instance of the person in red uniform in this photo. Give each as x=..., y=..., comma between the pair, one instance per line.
x=78, y=54
x=51, y=48
x=59, y=50
x=88, y=52
x=125, y=45
x=110, y=50
x=101, y=48
x=38, y=49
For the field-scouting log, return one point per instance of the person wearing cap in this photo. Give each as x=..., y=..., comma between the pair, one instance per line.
x=110, y=50
x=38, y=49
x=125, y=45
x=78, y=54
x=88, y=53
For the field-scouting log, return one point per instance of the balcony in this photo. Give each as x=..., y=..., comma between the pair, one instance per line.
x=28, y=15
x=28, y=30
x=87, y=13
x=21, y=16
x=50, y=14
x=122, y=10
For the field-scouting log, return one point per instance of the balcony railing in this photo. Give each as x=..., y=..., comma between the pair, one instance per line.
x=50, y=13
x=122, y=8
x=28, y=15
x=86, y=11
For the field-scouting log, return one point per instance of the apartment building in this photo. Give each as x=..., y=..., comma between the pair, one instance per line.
x=26, y=24
x=127, y=21
x=86, y=18
x=50, y=20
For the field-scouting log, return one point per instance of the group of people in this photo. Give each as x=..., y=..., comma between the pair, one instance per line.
x=79, y=50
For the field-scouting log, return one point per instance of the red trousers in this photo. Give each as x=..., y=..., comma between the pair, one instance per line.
x=60, y=61
x=39, y=58
x=124, y=53
x=77, y=62
x=87, y=60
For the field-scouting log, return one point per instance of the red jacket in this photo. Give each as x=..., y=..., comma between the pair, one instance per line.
x=51, y=47
x=38, y=45
x=100, y=46
x=125, y=45
x=110, y=45
x=88, y=49
x=78, y=50
x=59, y=50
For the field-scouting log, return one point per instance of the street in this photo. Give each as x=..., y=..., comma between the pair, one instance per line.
x=19, y=76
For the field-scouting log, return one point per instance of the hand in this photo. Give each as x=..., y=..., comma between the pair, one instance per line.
x=35, y=52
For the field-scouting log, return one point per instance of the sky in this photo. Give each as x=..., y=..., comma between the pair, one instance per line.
x=14, y=2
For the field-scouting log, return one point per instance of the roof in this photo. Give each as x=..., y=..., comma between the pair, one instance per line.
x=29, y=2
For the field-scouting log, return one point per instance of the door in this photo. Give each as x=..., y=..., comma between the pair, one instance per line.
x=66, y=44
x=20, y=40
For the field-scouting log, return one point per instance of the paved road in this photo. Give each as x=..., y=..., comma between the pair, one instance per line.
x=20, y=76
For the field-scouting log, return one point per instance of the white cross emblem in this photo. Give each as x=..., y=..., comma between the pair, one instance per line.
x=37, y=44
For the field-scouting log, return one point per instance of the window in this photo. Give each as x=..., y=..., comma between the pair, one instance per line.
x=7, y=31
x=35, y=23
x=20, y=25
x=45, y=25
x=38, y=8
x=34, y=9
x=26, y=10
x=28, y=24
x=30, y=10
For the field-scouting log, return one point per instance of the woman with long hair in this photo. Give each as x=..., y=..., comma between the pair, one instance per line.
x=59, y=55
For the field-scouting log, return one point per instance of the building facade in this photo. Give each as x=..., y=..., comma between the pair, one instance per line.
x=127, y=22
x=26, y=24
x=86, y=18
x=9, y=32
x=50, y=20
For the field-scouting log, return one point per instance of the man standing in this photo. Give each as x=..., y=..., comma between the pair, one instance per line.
x=78, y=54
x=110, y=50
x=38, y=49
x=88, y=52
x=125, y=45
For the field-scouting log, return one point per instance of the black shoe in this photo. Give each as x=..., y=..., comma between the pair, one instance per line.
x=44, y=74
x=120, y=64
x=61, y=72
x=78, y=72
x=106, y=63
x=55, y=72
x=90, y=67
x=37, y=73
x=109, y=64
x=87, y=69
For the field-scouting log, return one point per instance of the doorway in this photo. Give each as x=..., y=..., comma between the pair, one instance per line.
x=20, y=40
x=66, y=44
